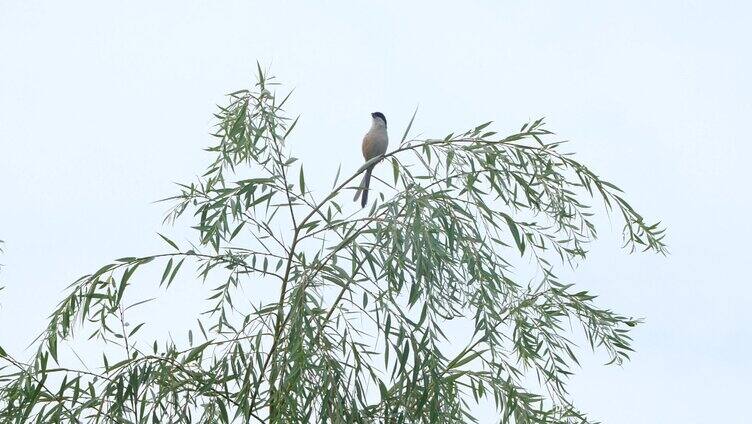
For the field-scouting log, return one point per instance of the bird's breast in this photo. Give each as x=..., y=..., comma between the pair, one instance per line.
x=375, y=143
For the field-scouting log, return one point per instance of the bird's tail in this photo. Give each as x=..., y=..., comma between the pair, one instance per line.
x=363, y=188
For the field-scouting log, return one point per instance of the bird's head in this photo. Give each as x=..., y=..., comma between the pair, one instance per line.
x=379, y=117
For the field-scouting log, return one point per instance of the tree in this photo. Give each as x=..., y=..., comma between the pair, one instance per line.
x=357, y=331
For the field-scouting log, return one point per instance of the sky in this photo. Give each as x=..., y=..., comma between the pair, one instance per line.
x=103, y=105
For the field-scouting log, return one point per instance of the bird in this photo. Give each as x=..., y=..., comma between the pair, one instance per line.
x=375, y=143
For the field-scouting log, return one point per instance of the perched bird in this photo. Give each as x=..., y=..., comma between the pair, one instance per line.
x=375, y=143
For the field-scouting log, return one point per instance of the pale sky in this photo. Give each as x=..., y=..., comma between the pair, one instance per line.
x=103, y=105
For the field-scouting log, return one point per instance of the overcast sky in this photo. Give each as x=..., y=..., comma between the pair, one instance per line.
x=103, y=106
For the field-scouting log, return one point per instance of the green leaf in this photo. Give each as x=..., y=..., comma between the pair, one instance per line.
x=135, y=329
x=395, y=170
x=515, y=233
x=336, y=177
x=384, y=392
x=302, y=181
x=52, y=345
x=170, y=242
x=196, y=352
x=467, y=359
x=166, y=271
x=175, y=272
x=480, y=127
x=289, y=130
x=409, y=125
x=222, y=411
x=262, y=199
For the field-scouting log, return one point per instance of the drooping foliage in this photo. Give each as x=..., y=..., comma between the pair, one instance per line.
x=466, y=230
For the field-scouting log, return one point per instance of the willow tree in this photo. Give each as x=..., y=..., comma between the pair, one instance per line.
x=468, y=228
